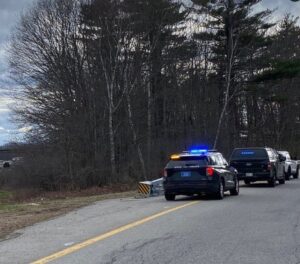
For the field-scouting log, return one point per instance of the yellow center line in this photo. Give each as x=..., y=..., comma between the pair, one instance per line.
x=111, y=233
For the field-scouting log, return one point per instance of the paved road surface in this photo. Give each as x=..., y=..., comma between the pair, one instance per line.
x=259, y=226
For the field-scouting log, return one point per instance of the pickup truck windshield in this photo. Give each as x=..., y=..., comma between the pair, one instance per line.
x=246, y=154
x=285, y=154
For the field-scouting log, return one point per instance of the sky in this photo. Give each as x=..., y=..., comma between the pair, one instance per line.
x=9, y=15
x=10, y=11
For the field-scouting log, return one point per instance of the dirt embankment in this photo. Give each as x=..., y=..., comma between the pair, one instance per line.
x=22, y=208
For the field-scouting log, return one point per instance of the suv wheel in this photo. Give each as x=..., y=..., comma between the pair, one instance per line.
x=247, y=182
x=296, y=175
x=220, y=194
x=170, y=197
x=236, y=189
x=288, y=174
x=272, y=182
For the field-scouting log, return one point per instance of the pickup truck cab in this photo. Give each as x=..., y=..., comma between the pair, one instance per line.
x=290, y=166
x=258, y=164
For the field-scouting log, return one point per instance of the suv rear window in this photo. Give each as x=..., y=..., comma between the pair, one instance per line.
x=242, y=154
x=188, y=161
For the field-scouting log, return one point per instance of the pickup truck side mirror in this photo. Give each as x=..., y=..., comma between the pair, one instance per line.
x=282, y=158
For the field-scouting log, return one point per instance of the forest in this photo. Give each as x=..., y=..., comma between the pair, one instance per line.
x=111, y=88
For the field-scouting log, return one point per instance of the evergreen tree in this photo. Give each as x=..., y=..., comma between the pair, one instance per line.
x=237, y=38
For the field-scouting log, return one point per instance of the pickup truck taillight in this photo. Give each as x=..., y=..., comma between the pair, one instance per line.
x=269, y=166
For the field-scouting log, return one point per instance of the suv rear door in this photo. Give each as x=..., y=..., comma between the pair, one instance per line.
x=222, y=165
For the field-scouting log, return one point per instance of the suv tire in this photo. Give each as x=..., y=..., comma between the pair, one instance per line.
x=296, y=175
x=170, y=197
x=247, y=182
x=236, y=189
x=288, y=174
x=220, y=194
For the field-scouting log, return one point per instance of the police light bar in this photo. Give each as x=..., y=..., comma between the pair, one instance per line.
x=247, y=153
x=213, y=150
x=198, y=151
x=175, y=157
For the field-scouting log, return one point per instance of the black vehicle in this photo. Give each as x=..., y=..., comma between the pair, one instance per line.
x=199, y=171
x=258, y=164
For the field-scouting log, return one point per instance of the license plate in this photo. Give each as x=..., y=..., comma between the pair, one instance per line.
x=186, y=174
x=249, y=174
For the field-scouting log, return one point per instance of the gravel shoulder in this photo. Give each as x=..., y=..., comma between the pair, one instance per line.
x=16, y=215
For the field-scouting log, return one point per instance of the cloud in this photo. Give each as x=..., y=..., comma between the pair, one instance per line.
x=281, y=7
x=25, y=129
x=8, y=130
x=4, y=110
x=9, y=13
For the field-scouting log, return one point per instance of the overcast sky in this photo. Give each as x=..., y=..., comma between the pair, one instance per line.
x=9, y=14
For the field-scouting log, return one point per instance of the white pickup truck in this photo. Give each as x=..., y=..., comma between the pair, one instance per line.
x=291, y=167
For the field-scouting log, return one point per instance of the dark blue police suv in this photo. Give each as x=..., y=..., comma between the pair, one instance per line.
x=199, y=171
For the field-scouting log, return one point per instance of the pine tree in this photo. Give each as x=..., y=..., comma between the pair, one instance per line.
x=237, y=38
x=158, y=27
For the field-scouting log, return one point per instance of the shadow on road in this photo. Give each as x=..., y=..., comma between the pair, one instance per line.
x=256, y=185
x=203, y=197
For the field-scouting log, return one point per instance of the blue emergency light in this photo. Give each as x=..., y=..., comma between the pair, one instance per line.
x=198, y=151
x=247, y=152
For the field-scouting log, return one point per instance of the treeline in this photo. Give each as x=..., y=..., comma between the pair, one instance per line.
x=110, y=88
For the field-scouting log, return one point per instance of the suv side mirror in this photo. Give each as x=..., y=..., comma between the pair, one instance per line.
x=232, y=169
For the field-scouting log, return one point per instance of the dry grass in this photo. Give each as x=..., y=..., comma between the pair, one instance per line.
x=16, y=213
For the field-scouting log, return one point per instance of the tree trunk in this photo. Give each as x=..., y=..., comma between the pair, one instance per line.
x=230, y=57
x=111, y=138
x=134, y=135
x=149, y=123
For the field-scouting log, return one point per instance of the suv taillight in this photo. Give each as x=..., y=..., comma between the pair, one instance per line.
x=209, y=171
x=269, y=166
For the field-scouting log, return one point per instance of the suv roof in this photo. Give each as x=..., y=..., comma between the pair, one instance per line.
x=194, y=153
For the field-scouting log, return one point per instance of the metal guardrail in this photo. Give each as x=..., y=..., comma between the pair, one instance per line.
x=151, y=188
x=144, y=188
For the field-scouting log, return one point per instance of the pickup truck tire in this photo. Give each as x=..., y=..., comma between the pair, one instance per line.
x=272, y=182
x=281, y=181
x=288, y=174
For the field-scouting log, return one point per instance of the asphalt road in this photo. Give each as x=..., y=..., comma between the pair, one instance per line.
x=259, y=226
